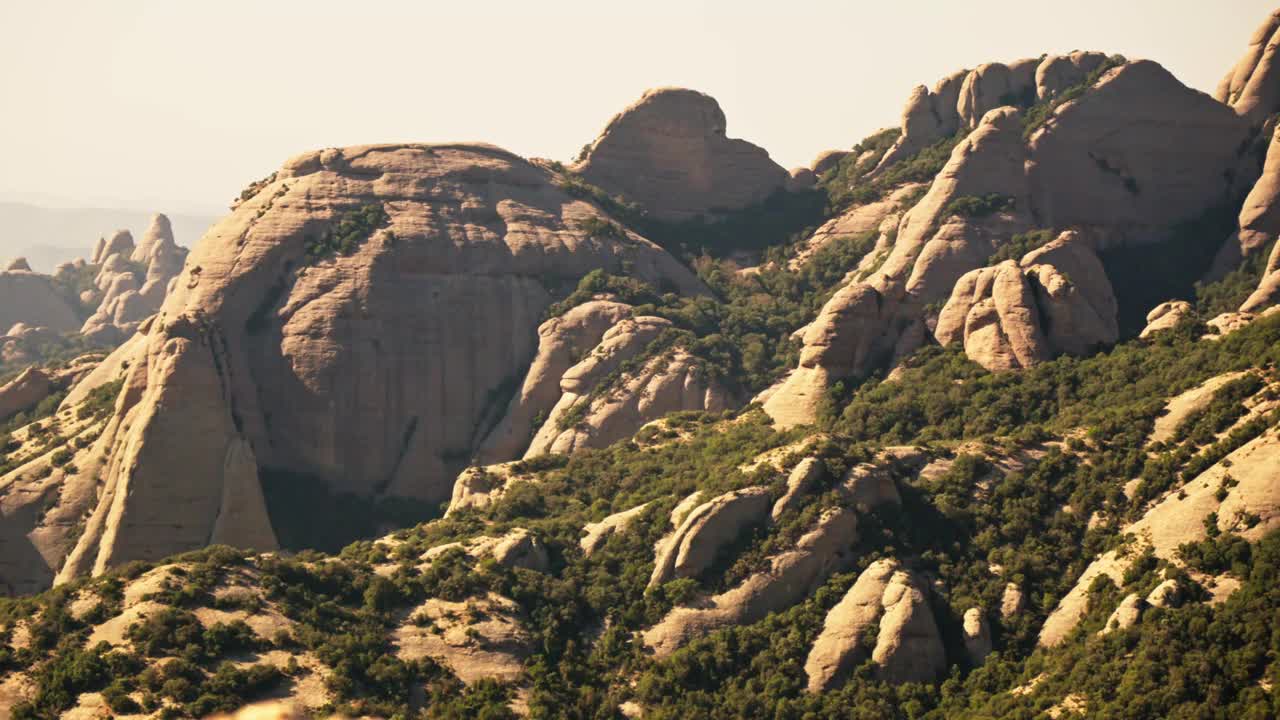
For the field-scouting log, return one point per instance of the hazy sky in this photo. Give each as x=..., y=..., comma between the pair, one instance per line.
x=176, y=105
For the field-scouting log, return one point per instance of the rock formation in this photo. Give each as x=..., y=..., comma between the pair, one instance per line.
x=132, y=281
x=977, y=635
x=598, y=533
x=604, y=398
x=353, y=321
x=669, y=153
x=907, y=646
x=30, y=298
x=1109, y=163
x=800, y=482
x=791, y=576
x=1166, y=316
x=1268, y=293
x=706, y=531
x=23, y=392
x=1056, y=73
x=1179, y=518
x=1252, y=87
x=1014, y=315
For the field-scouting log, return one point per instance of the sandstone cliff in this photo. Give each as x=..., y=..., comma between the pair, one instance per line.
x=355, y=321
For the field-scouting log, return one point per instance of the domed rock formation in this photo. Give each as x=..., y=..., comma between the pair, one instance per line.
x=907, y=647
x=1252, y=87
x=1109, y=162
x=353, y=321
x=30, y=298
x=995, y=85
x=669, y=153
x=19, y=264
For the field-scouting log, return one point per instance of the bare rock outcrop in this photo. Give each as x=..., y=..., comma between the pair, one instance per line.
x=995, y=85
x=30, y=298
x=1058, y=72
x=993, y=312
x=706, y=531
x=1125, y=615
x=826, y=160
x=977, y=635
x=907, y=646
x=1012, y=601
x=1252, y=87
x=480, y=638
x=561, y=341
x=800, y=481
x=928, y=116
x=1259, y=219
x=1267, y=294
x=669, y=153
x=19, y=264
x=23, y=392
x=1166, y=316
x=352, y=321
x=1179, y=518
x=603, y=401
x=792, y=575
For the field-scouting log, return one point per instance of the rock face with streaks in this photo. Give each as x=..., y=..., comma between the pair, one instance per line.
x=669, y=153
x=354, y=321
x=907, y=646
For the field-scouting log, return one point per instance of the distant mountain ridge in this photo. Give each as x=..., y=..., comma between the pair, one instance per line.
x=47, y=236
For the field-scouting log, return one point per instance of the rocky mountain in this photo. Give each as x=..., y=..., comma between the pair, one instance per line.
x=977, y=418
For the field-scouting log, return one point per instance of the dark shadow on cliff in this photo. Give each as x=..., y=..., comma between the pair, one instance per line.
x=308, y=515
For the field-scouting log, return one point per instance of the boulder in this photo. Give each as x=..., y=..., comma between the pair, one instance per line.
x=1167, y=594
x=669, y=153
x=791, y=576
x=800, y=481
x=869, y=485
x=1166, y=316
x=1012, y=601
x=19, y=265
x=24, y=392
x=1252, y=87
x=521, y=549
x=706, y=531
x=907, y=645
x=977, y=635
x=1125, y=615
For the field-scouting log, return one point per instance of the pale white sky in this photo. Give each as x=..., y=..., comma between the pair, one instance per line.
x=176, y=105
